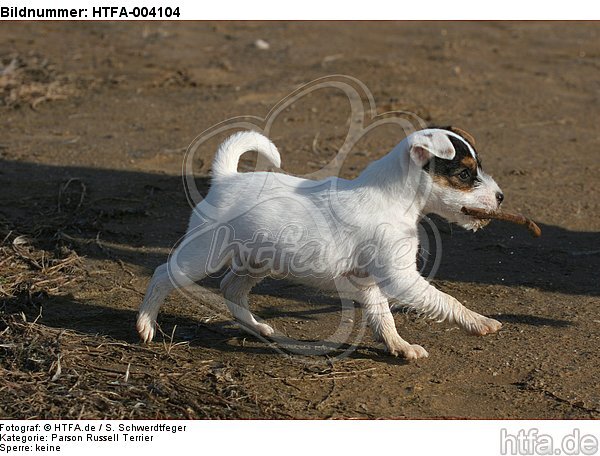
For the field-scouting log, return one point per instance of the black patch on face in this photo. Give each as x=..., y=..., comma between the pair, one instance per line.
x=460, y=172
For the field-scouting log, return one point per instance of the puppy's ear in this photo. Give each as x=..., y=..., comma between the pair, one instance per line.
x=426, y=144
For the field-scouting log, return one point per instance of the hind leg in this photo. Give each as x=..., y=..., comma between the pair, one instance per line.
x=235, y=288
x=163, y=282
x=158, y=289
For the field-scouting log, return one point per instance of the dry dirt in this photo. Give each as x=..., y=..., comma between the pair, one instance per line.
x=95, y=119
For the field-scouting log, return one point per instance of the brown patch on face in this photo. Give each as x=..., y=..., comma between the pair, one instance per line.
x=470, y=163
x=460, y=132
x=454, y=175
x=460, y=172
x=452, y=182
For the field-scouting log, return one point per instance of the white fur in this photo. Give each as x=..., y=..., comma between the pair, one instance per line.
x=384, y=203
x=229, y=153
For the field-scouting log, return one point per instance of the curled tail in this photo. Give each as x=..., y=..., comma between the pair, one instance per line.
x=230, y=151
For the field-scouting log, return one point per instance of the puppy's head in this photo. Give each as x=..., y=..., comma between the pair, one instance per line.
x=452, y=167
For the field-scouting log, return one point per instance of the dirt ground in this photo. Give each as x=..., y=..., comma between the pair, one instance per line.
x=95, y=121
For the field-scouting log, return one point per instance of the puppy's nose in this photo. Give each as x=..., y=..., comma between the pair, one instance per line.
x=499, y=197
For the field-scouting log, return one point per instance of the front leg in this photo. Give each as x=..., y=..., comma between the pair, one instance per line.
x=381, y=321
x=411, y=289
x=468, y=320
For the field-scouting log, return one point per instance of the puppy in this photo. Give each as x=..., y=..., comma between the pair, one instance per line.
x=359, y=237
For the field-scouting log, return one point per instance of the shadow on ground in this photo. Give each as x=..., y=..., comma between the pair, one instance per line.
x=137, y=217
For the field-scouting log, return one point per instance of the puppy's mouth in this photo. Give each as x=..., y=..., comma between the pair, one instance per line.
x=473, y=223
x=479, y=223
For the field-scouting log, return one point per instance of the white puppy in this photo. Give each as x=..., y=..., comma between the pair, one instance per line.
x=359, y=237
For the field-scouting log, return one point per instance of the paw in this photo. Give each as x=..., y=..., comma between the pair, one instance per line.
x=484, y=325
x=416, y=352
x=255, y=328
x=264, y=330
x=145, y=328
x=408, y=351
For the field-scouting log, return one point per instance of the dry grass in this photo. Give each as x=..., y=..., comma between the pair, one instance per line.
x=29, y=271
x=31, y=80
x=26, y=271
x=49, y=372
x=55, y=373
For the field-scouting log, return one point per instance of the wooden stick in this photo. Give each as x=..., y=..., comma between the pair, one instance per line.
x=519, y=219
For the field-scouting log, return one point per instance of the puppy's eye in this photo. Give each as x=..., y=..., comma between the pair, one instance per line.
x=465, y=175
